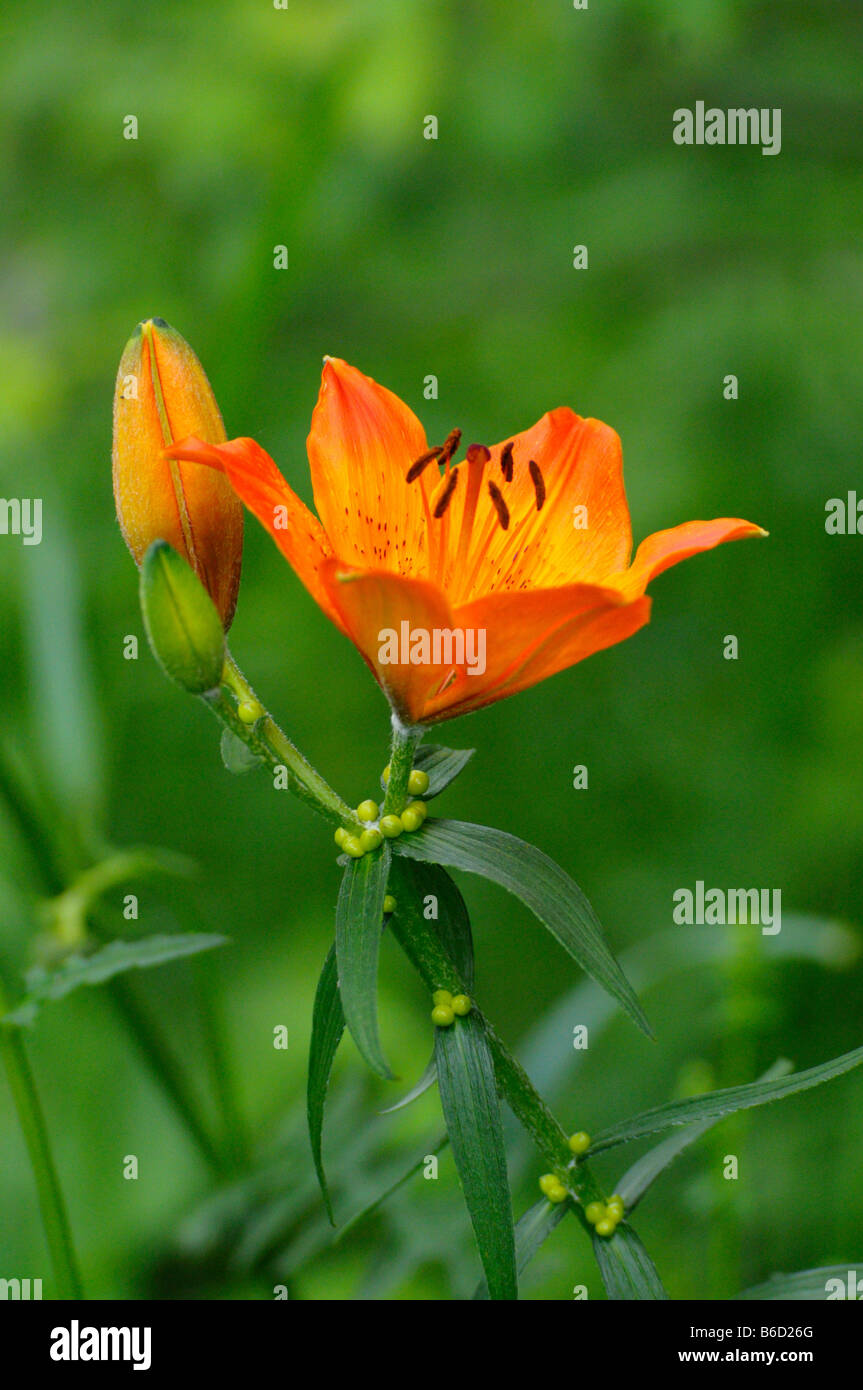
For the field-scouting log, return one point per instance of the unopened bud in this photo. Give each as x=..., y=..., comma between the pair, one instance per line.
x=162, y=395
x=183, y=626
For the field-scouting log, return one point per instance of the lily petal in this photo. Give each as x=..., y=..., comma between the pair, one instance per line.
x=666, y=548
x=371, y=603
x=581, y=464
x=530, y=636
x=257, y=481
x=362, y=442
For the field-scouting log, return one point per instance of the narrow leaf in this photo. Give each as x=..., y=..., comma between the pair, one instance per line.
x=541, y=885
x=425, y=889
x=636, y=1181
x=532, y=1229
x=379, y=1201
x=472, y=1112
x=118, y=956
x=425, y=1083
x=627, y=1270
x=359, y=923
x=715, y=1104
x=810, y=1285
x=328, y=1025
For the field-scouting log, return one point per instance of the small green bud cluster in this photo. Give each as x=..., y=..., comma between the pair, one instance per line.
x=377, y=828
x=604, y=1217
x=447, y=1006
x=552, y=1187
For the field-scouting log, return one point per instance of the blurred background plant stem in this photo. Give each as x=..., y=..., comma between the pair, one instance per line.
x=34, y=1130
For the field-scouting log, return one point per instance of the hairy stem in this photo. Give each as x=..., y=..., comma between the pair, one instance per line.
x=271, y=744
x=405, y=742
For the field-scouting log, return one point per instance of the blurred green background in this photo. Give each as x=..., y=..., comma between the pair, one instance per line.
x=453, y=256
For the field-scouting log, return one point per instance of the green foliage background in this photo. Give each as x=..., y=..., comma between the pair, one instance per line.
x=454, y=257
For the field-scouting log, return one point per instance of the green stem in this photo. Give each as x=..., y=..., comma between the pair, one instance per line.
x=32, y=1122
x=272, y=745
x=423, y=948
x=406, y=740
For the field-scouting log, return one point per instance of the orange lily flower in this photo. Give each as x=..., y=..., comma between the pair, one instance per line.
x=462, y=587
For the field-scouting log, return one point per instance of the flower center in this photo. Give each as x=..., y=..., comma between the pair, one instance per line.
x=451, y=558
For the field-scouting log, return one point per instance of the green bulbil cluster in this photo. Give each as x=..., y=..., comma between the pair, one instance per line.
x=551, y=1187
x=448, y=1007
x=377, y=828
x=604, y=1217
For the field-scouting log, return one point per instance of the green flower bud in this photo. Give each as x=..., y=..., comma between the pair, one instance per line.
x=182, y=624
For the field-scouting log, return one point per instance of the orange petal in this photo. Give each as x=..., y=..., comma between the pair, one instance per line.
x=362, y=442
x=379, y=612
x=257, y=481
x=666, y=548
x=582, y=466
x=530, y=636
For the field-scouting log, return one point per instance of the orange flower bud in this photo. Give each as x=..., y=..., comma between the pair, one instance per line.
x=162, y=395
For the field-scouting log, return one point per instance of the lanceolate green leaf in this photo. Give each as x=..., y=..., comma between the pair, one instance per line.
x=472, y=1113
x=384, y=1196
x=359, y=923
x=425, y=1083
x=541, y=885
x=811, y=1285
x=627, y=1270
x=715, y=1104
x=420, y=939
x=636, y=1181
x=427, y=891
x=328, y=1025
x=104, y=964
x=532, y=1229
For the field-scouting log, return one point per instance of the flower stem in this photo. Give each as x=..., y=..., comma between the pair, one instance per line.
x=406, y=739
x=272, y=745
x=423, y=948
x=32, y=1122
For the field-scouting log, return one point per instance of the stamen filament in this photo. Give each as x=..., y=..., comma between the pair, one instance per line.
x=477, y=458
